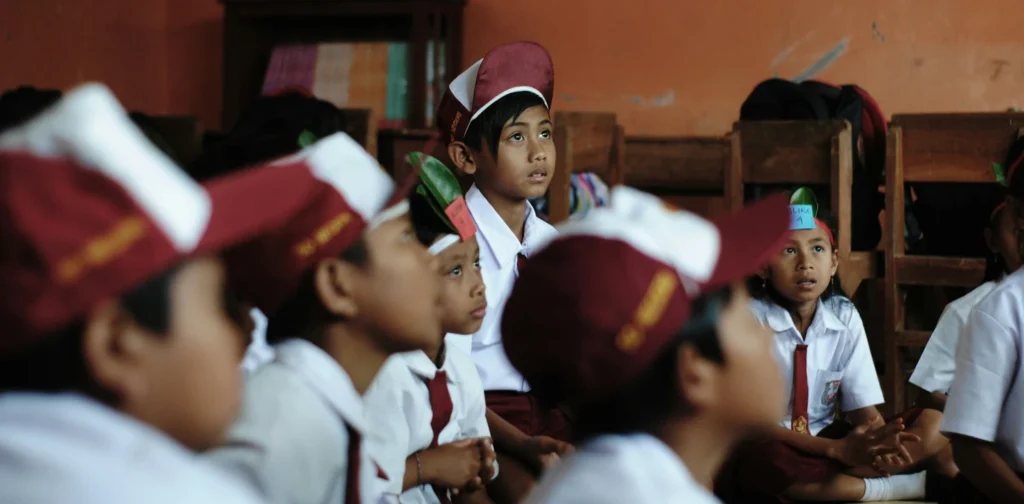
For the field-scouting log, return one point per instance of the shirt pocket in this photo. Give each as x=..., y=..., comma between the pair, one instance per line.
x=826, y=390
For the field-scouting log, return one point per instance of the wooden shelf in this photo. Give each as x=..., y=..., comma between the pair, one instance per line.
x=253, y=27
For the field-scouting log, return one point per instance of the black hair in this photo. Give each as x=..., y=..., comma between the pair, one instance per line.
x=148, y=127
x=995, y=265
x=58, y=364
x=1015, y=183
x=23, y=103
x=487, y=127
x=268, y=130
x=429, y=226
x=652, y=398
x=302, y=315
x=761, y=288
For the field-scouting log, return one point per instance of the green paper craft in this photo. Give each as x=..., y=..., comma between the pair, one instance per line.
x=306, y=138
x=803, y=208
x=1000, y=173
x=443, y=192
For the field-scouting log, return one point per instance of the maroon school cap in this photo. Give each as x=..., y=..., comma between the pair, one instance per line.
x=506, y=69
x=90, y=210
x=594, y=307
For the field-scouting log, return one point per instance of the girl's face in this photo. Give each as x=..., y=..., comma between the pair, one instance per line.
x=804, y=267
x=1004, y=236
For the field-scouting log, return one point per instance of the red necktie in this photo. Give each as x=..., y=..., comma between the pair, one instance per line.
x=441, y=405
x=352, y=475
x=800, y=392
x=520, y=263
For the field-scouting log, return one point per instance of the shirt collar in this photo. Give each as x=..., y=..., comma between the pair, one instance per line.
x=421, y=366
x=779, y=319
x=500, y=241
x=325, y=376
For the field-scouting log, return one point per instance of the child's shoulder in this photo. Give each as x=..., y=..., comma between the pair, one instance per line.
x=844, y=311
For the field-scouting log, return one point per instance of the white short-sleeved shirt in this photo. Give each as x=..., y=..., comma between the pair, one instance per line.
x=633, y=468
x=839, y=360
x=398, y=408
x=986, y=400
x=67, y=448
x=259, y=352
x=499, y=249
x=291, y=439
x=934, y=371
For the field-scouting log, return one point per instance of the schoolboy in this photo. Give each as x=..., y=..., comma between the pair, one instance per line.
x=659, y=354
x=118, y=355
x=983, y=415
x=272, y=127
x=345, y=284
x=495, y=119
x=427, y=406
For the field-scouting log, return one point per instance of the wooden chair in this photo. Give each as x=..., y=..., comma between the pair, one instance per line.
x=692, y=173
x=945, y=148
x=806, y=153
x=586, y=142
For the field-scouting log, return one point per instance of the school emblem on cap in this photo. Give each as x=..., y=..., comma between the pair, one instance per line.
x=800, y=425
x=828, y=397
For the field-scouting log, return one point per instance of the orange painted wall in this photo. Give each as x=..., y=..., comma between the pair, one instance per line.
x=667, y=67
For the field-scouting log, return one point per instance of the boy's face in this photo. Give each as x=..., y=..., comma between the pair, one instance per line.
x=749, y=385
x=188, y=382
x=397, y=293
x=463, y=296
x=805, y=265
x=525, y=161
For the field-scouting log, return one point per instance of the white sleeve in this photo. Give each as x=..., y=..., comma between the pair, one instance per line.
x=860, y=387
x=934, y=371
x=387, y=443
x=286, y=443
x=476, y=406
x=986, y=362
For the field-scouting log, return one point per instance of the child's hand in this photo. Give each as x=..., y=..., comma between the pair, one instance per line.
x=543, y=451
x=487, y=457
x=866, y=442
x=454, y=465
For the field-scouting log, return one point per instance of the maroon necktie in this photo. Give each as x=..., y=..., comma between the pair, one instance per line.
x=800, y=392
x=352, y=475
x=441, y=405
x=520, y=263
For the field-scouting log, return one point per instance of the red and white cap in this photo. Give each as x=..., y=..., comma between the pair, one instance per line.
x=506, y=69
x=594, y=307
x=348, y=194
x=89, y=210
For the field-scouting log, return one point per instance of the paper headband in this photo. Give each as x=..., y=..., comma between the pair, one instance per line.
x=444, y=194
x=803, y=213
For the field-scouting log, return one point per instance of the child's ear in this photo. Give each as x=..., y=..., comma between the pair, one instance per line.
x=835, y=263
x=113, y=346
x=334, y=281
x=462, y=158
x=695, y=378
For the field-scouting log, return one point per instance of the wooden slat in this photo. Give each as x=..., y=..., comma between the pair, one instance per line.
x=678, y=163
x=593, y=141
x=955, y=147
x=857, y=267
x=912, y=339
x=894, y=376
x=788, y=152
x=939, y=271
x=356, y=124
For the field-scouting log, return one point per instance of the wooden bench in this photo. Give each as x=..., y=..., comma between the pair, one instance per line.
x=590, y=142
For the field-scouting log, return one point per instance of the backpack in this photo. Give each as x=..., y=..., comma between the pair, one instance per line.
x=780, y=100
